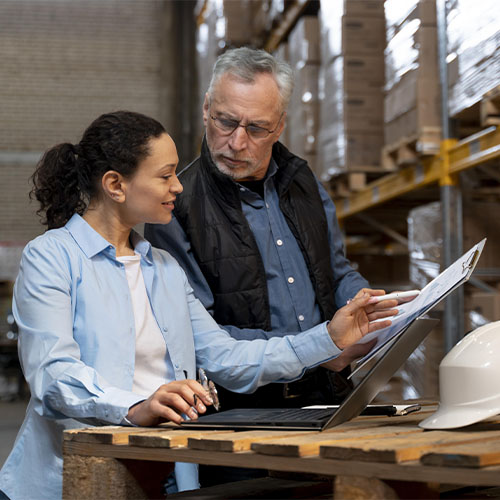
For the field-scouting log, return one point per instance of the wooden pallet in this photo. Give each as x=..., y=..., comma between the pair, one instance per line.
x=409, y=150
x=355, y=179
x=482, y=114
x=490, y=108
x=363, y=453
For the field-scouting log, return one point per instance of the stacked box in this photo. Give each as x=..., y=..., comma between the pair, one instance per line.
x=473, y=33
x=351, y=86
x=224, y=24
x=425, y=247
x=303, y=110
x=282, y=53
x=412, y=102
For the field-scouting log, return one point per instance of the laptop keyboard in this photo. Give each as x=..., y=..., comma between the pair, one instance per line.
x=289, y=414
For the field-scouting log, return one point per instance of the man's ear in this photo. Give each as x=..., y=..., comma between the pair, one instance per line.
x=112, y=185
x=206, y=106
x=281, y=127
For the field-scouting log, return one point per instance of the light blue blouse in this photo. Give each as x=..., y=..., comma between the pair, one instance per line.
x=77, y=340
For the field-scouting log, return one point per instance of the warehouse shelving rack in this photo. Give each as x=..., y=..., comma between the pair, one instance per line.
x=454, y=157
x=444, y=168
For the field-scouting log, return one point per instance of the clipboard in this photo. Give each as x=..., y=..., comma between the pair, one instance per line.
x=433, y=293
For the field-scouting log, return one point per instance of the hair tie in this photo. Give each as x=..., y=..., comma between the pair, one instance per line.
x=76, y=149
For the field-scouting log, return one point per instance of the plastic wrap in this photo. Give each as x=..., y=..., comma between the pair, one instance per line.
x=303, y=109
x=223, y=24
x=418, y=377
x=412, y=101
x=473, y=32
x=350, y=86
x=425, y=243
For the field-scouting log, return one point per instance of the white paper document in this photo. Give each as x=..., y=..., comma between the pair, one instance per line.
x=429, y=296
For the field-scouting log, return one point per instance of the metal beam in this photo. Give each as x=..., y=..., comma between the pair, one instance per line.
x=279, y=33
x=468, y=153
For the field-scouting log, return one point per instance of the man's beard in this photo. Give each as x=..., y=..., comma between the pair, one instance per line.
x=236, y=173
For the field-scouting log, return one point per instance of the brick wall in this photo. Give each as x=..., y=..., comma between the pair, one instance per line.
x=63, y=63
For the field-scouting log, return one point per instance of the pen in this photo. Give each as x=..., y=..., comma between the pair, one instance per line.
x=397, y=295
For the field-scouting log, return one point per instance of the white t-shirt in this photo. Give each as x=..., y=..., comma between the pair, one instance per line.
x=153, y=366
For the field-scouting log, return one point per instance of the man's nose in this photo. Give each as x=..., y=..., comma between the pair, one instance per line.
x=238, y=139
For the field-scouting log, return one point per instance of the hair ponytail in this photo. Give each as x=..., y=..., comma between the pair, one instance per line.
x=68, y=177
x=57, y=185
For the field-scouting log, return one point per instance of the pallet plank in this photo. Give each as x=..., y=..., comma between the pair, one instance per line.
x=160, y=438
x=236, y=441
x=110, y=434
x=472, y=455
x=402, y=448
x=309, y=445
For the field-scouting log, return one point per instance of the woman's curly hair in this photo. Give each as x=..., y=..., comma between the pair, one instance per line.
x=68, y=176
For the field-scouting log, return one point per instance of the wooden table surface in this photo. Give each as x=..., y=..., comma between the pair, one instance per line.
x=380, y=447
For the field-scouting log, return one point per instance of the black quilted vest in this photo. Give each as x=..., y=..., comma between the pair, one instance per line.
x=209, y=210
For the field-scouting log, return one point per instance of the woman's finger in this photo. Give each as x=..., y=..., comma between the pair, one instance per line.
x=176, y=402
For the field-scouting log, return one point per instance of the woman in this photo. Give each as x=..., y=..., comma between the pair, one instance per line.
x=110, y=331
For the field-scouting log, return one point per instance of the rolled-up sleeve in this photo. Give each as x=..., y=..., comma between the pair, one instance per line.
x=245, y=365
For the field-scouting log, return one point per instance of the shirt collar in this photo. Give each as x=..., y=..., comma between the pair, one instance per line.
x=273, y=168
x=92, y=243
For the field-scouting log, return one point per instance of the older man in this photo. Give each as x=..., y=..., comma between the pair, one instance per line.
x=254, y=229
x=256, y=232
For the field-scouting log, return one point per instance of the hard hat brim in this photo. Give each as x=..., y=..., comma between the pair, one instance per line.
x=451, y=418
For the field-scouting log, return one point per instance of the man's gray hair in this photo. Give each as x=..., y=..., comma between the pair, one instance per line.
x=246, y=63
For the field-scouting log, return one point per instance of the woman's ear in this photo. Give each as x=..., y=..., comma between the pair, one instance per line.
x=112, y=185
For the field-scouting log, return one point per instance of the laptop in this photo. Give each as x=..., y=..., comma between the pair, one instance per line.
x=397, y=345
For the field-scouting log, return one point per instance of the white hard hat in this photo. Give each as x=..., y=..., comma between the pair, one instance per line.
x=469, y=380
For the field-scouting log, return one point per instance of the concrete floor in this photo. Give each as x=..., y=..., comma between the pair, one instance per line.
x=11, y=418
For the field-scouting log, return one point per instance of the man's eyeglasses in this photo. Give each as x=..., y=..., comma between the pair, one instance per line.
x=228, y=126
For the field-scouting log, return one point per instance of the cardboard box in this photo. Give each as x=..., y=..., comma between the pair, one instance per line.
x=367, y=69
x=363, y=112
x=363, y=35
x=414, y=91
x=479, y=222
x=363, y=150
x=486, y=304
x=364, y=8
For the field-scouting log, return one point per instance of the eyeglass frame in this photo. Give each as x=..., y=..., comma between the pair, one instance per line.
x=238, y=124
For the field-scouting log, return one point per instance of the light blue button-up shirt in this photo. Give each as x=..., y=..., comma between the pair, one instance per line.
x=292, y=299
x=77, y=340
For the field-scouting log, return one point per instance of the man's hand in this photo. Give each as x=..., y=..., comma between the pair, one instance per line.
x=353, y=321
x=168, y=402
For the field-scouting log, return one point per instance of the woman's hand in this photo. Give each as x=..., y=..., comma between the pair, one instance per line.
x=168, y=402
x=353, y=321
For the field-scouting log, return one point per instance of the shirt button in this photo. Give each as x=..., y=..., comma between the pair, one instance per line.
x=301, y=317
x=267, y=205
x=279, y=242
x=291, y=279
